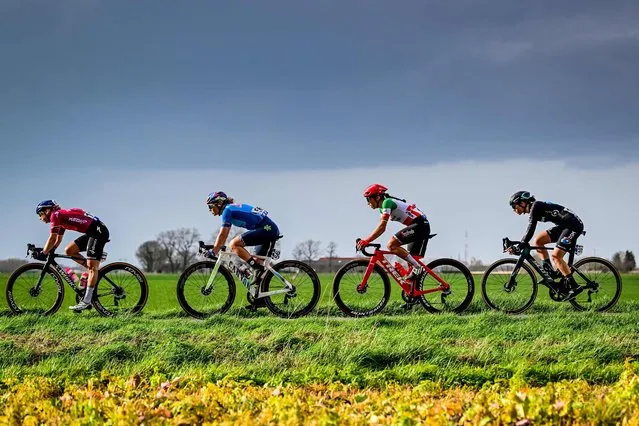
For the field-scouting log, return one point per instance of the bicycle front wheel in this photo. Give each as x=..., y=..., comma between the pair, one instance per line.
x=504, y=291
x=601, y=282
x=461, y=290
x=121, y=289
x=201, y=301
x=298, y=301
x=33, y=290
x=355, y=300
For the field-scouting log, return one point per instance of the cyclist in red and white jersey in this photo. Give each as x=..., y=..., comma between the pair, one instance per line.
x=415, y=234
x=95, y=236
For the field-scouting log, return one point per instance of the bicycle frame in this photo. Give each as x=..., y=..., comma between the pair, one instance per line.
x=525, y=256
x=224, y=258
x=379, y=257
x=50, y=262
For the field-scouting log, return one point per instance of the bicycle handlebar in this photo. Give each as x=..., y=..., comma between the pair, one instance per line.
x=203, y=248
x=363, y=250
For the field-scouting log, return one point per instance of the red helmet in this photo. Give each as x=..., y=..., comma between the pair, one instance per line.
x=374, y=189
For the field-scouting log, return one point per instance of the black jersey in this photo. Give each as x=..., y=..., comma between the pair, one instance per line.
x=550, y=212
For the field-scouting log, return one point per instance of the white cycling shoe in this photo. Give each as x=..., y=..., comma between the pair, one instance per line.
x=80, y=306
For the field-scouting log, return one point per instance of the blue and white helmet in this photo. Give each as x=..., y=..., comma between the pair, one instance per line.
x=46, y=204
x=217, y=197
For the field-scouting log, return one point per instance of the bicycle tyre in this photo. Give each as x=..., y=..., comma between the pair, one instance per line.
x=498, y=279
x=579, y=302
x=298, y=268
x=50, y=304
x=460, y=294
x=343, y=287
x=200, y=272
x=126, y=281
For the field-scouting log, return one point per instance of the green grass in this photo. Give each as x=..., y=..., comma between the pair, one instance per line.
x=550, y=342
x=163, y=300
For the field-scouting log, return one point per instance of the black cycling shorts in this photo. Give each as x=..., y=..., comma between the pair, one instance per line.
x=566, y=238
x=263, y=237
x=94, y=240
x=416, y=236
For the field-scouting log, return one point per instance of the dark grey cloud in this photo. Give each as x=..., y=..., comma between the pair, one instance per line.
x=153, y=84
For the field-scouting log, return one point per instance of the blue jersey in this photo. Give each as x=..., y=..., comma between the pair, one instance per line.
x=242, y=215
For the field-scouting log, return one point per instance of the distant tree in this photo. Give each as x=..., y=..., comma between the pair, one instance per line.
x=331, y=250
x=476, y=265
x=186, y=247
x=178, y=247
x=151, y=256
x=307, y=251
x=10, y=265
x=629, y=262
x=617, y=261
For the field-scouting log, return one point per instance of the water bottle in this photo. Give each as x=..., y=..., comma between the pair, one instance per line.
x=244, y=271
x=71, y=274
x=84, y=278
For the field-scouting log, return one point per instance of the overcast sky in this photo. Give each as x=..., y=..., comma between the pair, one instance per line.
x=136, y=110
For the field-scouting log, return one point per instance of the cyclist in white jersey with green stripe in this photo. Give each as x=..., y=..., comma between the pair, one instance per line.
x=415, y=234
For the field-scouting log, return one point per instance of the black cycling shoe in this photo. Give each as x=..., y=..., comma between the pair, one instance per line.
x=574, y=293
x=255, y=305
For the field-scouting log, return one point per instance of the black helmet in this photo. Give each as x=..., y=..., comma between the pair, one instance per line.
x=519, y=196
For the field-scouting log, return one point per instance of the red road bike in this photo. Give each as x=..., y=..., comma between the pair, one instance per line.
x=362, y=287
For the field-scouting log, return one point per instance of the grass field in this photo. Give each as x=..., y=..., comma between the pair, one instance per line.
x=391, y=368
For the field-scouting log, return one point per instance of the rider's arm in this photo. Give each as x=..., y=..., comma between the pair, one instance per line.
x=221, y=238
x=53, y=242
x=532, y=224
x=379, y=230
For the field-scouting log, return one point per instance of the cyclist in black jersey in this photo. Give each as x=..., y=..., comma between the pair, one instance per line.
x=568, y=227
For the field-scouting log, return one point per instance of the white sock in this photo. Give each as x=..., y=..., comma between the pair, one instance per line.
x=410, y=259
x=88, y=295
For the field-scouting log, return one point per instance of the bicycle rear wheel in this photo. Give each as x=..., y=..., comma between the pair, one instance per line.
x=503, y=294
x=360, y=302
x=602, y=284
x=297, y=302
x=121, y=289
x=457, y=297
x=24, y=296
x=196, y=299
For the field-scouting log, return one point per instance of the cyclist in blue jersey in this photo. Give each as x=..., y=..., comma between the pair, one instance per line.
x=261, y=230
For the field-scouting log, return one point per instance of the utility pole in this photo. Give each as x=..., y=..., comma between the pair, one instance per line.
x=466, y=247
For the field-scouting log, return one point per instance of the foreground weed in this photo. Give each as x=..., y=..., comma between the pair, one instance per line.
x=193, y=400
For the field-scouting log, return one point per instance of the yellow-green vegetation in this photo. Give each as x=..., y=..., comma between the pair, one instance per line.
x=193, y=400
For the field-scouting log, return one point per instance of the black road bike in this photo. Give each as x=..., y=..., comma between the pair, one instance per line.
x=511, y=285
x=39, y=287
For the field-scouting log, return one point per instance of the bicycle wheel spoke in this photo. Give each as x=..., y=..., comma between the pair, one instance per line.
x=505, y=292
x=199, y=301
x=25, y=296
x=120, y=289
x=601, y=282
x=298, y=300
x=354, y=299
x=460, y=291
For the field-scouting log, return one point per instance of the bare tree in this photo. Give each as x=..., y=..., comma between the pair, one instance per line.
x=178, y=247
x=331, y=250
x=150, y=256
x=307, y=251
x=186, y=251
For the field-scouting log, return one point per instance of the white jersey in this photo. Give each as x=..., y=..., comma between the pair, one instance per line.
x=400, y=211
